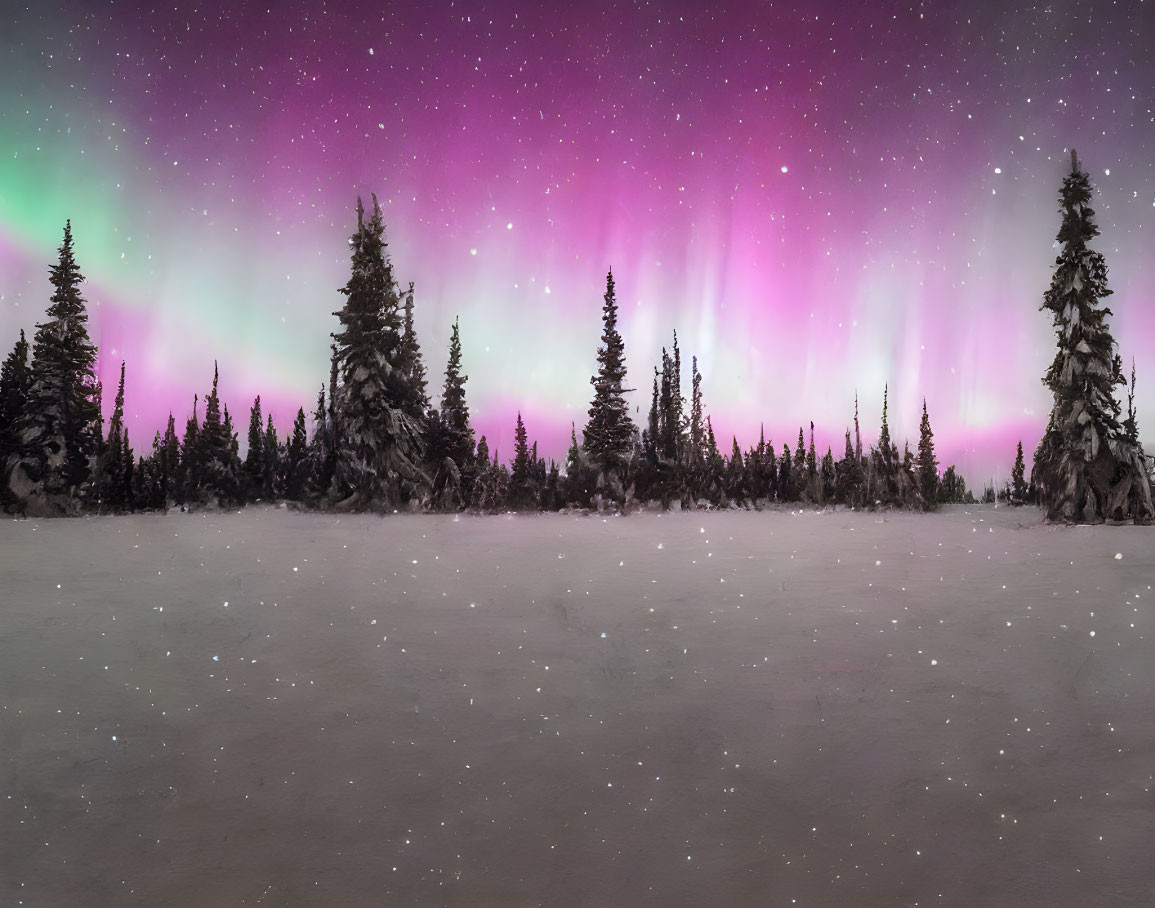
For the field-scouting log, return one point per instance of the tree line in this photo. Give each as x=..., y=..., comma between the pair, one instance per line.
x=378, y=442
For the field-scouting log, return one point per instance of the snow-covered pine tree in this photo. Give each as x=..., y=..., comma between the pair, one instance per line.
x=697, y=427
x=828, y=476
x=927, y=464
x=190, y=458
x=736, y=474
x=15, y=380
x=449, y=435
x=117, y=462
x=59, y=433
x=607, y=436
x=521, y=493
x=580, y=476
x=1086, y=469
x=885, y=463
x=850, y=479
x=813, y=482
x=769, y=470
x=214, y=453
x=380, y=437
x=1018, y=482
x=715, y=467
x=454, y=407
x=254, y=466
x=169, y=464
x=297, y=459
x=271, y=452
x=1130, y=424
x=411, y=361
x=798, y=469
x=787, y=486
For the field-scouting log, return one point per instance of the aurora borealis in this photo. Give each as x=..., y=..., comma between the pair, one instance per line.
x=819, y=197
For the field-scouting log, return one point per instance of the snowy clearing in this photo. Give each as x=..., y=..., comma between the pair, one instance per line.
x=725, y=708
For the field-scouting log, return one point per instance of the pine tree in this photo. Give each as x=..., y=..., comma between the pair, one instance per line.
x=787, y=489
x=117, y=460
x=927, y=464
x=169, y=463
x=798, y=468
x=412, y=362
x=297, y=461
x=828, y=476
x=715, y=466
x=190, y=459
x=608, y=434
x=1086, y=469
x=1018, y=483
x=1131, y=423
x=380, y=437
x=521, y=480
x=15, y=381
x=651, y=438
x=849, y=481
x=254, y=468
x=885, y=464
x=813, y=483
x=60, y=429
x=270, y=450
x=454, y=408
x=736, y=474
x=697, y=435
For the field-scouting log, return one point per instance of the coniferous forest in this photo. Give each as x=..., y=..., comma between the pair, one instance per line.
x=376, y=441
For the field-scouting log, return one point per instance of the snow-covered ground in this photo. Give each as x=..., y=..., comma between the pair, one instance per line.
x=735, y=708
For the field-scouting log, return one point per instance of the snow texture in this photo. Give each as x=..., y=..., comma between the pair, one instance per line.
x=725, y=708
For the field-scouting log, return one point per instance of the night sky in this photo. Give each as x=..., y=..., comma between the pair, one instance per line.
x=820, y=198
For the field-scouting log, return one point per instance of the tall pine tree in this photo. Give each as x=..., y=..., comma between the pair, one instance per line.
x=60, y=430
x=1086, y=469
x=927, y=464
x=379, y=445
x=608, y=434
x=15, y=380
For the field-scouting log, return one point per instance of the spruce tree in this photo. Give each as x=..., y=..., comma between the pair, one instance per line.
x=117, y=458
x=1131, y=423
x=787, y=489
x=1086, y=468
x=412, y=362
x=813, y=482
x=608, y=433
x=217, y=462
x=828, y=476
x=297, y=461
x=271, y=451
x=798, y=469
x=254, y=467
x=697, y=433
x=169, y=464
x=60, y=429
x=1018, y=483
x=520, y=491
x=736, y=474
x=190, y=458
x=454, y=408
x=849, y=481
x=15, y=380
x=380, y=437
x=885, y=463
x=715, y=466
x=927, y=464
